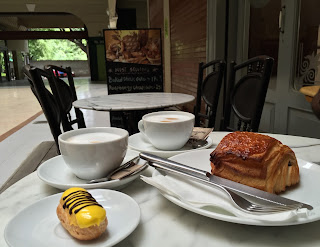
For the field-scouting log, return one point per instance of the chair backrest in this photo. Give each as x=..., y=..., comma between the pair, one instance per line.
x=246, y=97
x=208, y=90
x=46, y=99
x=26, y=71
x=65, y=94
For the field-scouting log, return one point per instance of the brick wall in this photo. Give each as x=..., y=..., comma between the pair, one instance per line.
x=188, y=30
x=188, y=20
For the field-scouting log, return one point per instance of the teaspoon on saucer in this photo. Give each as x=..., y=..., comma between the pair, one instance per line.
x=197, y=143
x=131, y=167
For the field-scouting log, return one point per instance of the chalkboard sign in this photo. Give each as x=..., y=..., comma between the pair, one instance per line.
x=128, y=78
x=133, y=60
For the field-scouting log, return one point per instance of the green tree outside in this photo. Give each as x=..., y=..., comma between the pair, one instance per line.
x=55, y=49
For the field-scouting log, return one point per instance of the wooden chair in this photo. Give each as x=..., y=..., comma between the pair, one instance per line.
x=46, y=99
x=246, y=97
x=208, y=90
x=65, y=94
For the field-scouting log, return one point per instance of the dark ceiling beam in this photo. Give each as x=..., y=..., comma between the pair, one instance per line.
x=27, y=35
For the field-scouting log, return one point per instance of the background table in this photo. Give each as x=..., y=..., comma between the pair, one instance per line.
x=133, y=106
x=165, y=224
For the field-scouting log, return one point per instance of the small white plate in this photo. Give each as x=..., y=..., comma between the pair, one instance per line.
x=38, y=224
x=56, y=173
x=304, y=192
x=139, y=143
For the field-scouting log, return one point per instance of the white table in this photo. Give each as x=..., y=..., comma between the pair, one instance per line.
x=165, y=224
x=133, y=106
x=133, y=101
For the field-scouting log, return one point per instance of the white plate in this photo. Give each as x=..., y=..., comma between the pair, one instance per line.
x=139, y=143
x=306, y=191
x=57, y=174
x=38, y=224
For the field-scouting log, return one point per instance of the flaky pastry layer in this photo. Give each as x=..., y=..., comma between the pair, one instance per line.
x=255, y=160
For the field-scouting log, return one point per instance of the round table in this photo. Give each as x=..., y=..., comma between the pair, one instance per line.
x=133, y=101
x=132, y=106
x=166, y=224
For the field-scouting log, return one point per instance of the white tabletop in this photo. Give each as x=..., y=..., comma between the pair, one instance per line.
x=133, y=101
x=165, y=224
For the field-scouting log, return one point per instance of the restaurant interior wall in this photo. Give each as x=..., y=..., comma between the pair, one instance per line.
x=141, y=9
x=156, y=20
x=188, y=22
x=18, y=48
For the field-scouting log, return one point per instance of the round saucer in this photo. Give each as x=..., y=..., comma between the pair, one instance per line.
x=56, y=173
x=38, y=225
x=139, y=143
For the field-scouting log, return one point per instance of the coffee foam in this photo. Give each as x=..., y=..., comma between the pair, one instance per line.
x=92, y=138
x=167, y=118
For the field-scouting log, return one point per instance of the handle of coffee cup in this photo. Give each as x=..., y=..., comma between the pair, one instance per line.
x=142, y=130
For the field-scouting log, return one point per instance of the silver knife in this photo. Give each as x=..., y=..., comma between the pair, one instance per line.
x=217, y=181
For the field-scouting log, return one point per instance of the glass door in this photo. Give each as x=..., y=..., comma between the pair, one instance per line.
x=308, y=52
x=288, y=31
x=264, y=33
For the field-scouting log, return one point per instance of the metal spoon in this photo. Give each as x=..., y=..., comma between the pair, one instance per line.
x=197, y=143
x=128, y=164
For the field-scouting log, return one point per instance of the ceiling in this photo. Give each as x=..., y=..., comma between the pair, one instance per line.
x=23, y=22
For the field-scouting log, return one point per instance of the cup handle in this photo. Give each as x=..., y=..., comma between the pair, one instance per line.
x=142, y=130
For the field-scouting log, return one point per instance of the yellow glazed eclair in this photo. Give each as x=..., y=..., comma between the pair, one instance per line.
x=81, y=215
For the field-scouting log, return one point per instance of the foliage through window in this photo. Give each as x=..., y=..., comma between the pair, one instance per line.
x=57, y=49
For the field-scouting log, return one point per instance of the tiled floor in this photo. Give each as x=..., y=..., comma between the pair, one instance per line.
x=19, y=105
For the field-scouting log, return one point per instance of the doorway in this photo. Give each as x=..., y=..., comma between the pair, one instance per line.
x=288, y=31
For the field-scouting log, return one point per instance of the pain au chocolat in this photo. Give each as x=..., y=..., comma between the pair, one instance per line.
x=255, y=160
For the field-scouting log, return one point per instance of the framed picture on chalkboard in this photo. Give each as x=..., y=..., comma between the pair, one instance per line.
x=133, y=60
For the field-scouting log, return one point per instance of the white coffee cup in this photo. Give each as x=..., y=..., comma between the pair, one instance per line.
x=167, y=130
x=93, y=152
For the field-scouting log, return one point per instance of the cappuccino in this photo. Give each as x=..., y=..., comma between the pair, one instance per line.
x=93, y=152
x=167, y=118
x=167, y=130
x=91, y=138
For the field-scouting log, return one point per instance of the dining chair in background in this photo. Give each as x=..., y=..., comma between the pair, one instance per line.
x=208, y=92
x=65, y=94
x=246, y=97
x=46, y=99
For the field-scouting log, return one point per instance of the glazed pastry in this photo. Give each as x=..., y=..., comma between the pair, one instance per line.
x=255, y=160
x=81, y=215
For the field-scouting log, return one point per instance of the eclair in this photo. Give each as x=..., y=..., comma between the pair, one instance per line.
x=81, y=215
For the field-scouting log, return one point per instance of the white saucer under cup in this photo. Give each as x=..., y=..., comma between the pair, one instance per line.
x=56, y=173
x=137, y=142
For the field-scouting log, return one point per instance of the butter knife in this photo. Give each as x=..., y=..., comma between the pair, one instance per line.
x=217, y=181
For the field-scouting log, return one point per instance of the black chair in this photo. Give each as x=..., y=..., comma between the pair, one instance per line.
x=46, y=99
x=26, y=71
x=208, y=90
x=246, y=97
x=65, y=94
